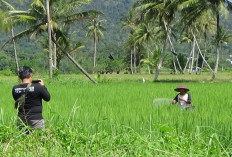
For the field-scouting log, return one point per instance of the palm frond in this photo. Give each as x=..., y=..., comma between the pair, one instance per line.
x=38, y=3
x=67, y=8
x=82, y=16
x=38, y=30
x=78, y=45
x=6, y=6
x=22, y=34
x=223, y=9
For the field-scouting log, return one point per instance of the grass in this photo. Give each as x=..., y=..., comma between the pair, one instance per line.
x=117, y=118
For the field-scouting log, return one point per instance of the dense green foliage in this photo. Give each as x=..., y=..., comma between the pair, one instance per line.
x=119, y=118
x=30, y=51
x=112, y=44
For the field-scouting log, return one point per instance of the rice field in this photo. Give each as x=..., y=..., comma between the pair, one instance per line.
x=118, y=117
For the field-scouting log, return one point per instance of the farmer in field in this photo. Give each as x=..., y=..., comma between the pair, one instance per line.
x=28, y=100
x=183, y=98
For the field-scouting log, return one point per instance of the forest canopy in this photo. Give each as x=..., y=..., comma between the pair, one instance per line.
x=108, y=32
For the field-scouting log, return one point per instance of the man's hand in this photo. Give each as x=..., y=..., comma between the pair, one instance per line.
x=41, y=82
x=173, y=101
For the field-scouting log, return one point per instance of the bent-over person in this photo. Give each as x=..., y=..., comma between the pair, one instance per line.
x=28, y=97
x=183, y=98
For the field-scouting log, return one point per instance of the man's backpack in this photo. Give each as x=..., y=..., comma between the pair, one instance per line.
x=19, y=103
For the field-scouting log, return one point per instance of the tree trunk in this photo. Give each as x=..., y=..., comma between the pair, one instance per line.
x=135, y=59
x=81, y=69
x=174, y=64
x=95, y=52
x=15, y=51
x=49, y=39
x=54, y=54
x=148, y=56
x=216, y=64
x=172, y=47
x=217, y=47
x=188, y=59
x=197, y=62
x=221, y=57
x=131, y=62
x=181, y=70
x=74, y=62
x=203, y=62
x=161, y=60
x=193, y=56
x=139, y=66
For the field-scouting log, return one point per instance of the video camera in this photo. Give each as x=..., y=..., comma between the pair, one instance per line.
x=36, y=81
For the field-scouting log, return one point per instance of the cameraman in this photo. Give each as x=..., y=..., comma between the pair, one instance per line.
x=30, y=112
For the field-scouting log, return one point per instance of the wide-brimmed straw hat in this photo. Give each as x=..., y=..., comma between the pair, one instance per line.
x=181, y=86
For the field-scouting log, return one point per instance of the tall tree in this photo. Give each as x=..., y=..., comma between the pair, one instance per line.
x=129, y=22
x=136, y=49
x=145, y=34
x=201, y=28
x=131, y=45
x=196, y=8
x=205, y=25
x=49, y=38
x=187, y=37
x=63, y=13
x=95, y=31
x=162, y=12
x=224, y=38
x=4, y=8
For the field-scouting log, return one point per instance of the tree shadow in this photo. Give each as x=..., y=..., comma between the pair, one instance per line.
x=176, y=81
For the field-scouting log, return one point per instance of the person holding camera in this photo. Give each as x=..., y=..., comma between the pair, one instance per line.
x=28, y=98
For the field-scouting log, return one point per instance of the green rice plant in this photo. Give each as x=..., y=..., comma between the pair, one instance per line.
x=118, y=118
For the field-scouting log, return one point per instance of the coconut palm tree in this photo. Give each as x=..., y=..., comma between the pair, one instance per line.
x=187, y=37
x=4, y=8
x=131, y=45
x=49, y=37
x=129, y=22
x=205, y=25
x=63, y=13
x=154, y=58
x=163, y=13
x=145, y=34
x=196, y=8
x=202, y=27
x=95, y=32
x=224, y=38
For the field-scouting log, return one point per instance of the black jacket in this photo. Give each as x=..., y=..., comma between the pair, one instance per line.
x=32, y=109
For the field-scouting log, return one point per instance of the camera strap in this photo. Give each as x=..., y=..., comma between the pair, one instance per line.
x=19, y=103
